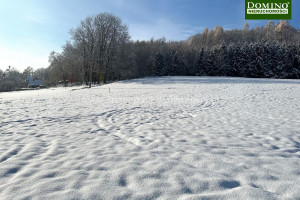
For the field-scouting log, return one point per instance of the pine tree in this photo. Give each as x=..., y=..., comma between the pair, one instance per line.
x=159, y=64
x=199, y=63
x=180, y=67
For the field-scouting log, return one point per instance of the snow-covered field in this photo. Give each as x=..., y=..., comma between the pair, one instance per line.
x=153, y=138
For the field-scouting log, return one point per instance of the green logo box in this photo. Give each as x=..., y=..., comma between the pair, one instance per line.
x=268, y=9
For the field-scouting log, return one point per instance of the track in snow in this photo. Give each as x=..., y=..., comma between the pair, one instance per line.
x=165, y=138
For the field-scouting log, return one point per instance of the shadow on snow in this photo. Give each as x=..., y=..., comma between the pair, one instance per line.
x=208, y=80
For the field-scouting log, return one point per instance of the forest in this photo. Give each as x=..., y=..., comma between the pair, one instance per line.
x=100, y=51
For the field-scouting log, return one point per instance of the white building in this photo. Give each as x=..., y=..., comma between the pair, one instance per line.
x=31, y=82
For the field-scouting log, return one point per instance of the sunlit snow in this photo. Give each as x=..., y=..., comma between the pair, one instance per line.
x=153, y=138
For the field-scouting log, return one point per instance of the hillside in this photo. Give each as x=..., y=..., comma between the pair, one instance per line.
x=153, y=138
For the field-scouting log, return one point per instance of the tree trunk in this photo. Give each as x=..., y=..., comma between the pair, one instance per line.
x=91, y=77
x=104, y=78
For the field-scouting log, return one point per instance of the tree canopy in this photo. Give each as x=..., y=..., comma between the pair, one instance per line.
x=100, y=50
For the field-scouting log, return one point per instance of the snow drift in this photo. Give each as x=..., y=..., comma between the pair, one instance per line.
x=153, y=138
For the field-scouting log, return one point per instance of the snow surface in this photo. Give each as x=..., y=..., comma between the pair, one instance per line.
x=153, y=138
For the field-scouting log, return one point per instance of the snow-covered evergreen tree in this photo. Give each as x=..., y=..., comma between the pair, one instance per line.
x=159, y=64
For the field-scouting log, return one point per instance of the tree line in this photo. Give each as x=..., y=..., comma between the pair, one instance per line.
x=11, y=79
x=100, y=50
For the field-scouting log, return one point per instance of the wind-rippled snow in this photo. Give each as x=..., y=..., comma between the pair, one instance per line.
x=153, y=138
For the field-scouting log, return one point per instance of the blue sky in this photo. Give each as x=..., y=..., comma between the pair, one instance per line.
x=31, y=29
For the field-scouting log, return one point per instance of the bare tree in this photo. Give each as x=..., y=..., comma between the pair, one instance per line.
x=73, y=63
x=218, y=35
x=284, y=32
x=100, y=39
x=28, y=72
x=58, y=67
x=269, y=28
